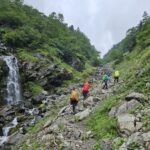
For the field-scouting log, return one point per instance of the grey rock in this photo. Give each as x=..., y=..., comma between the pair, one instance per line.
x=97, y=99
x=128, y=106
x=81, y=115
x=112, y=112
x=89, y=101
x=126, y=123
x=138, y=96
x=135, y=138
x=14, y=138
x=106, y=144
x=38, y=99
x=146, y=137
x=148, y=85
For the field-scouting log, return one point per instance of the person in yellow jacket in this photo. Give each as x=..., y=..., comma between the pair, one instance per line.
x=116, y=76
x=74, y=97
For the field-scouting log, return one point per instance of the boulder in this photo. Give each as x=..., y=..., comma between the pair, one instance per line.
x=81, y=115
x=146, y=137
x=106, y=144
x=126, y=123
x=128, y=106
x=135, y=138
x=138, y=96
x=14, y=138
x=148, y=84
x=89, y=101
x=112, y=112
x=38, y=99
x=97, y=99
x=1, y=130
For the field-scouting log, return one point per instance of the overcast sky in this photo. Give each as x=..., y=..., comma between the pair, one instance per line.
x=105, y=22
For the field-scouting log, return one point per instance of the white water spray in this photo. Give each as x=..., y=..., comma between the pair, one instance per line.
x=13, y=86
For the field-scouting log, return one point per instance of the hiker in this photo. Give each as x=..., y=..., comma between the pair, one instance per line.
x=116, y=76
x=74, y=97
x=105, y=79
x=85, y=89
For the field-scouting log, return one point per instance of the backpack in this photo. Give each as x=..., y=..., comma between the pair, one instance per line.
x=105, y=78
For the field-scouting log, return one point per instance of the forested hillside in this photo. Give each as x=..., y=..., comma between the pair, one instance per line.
x=137, y=37
x=27, y=31
x=121, y=121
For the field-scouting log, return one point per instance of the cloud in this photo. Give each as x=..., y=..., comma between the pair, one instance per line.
x=105, y=22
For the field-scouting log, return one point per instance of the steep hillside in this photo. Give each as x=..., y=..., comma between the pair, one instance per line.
x=40, y=56
x=136, y=38
x=121, y=121
x=48, y=50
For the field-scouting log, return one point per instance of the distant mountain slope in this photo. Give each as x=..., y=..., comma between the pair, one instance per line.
x=136, y=38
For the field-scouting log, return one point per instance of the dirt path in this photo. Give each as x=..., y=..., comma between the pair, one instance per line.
x=69, y=131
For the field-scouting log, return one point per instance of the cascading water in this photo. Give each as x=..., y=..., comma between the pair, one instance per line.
x=5, y=136
x=13, y=86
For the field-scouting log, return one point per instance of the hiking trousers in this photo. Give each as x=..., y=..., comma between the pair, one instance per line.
x=74, y=103
x=105, y=85
x=85, y=94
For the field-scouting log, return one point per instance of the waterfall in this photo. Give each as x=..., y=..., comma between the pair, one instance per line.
x=13, y=86
x=6, y=130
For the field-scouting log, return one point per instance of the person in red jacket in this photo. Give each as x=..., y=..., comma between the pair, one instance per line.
x=85, y=89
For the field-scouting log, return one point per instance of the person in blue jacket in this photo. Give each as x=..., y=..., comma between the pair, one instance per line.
x=105, y=79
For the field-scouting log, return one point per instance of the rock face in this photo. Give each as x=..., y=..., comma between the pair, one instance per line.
x=48, y=77
x=3, y=74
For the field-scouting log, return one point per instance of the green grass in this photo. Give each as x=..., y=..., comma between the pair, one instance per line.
x=100, y=123
x=133, y=62
x=35, y=88
x=27, y=56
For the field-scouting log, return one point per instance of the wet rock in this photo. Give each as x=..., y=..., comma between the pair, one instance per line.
x=21, y=118
x=1, y=129
x=38, y=99
x=2, y=119
x=27, y=95
x=22, y=130
x=14, y=138
x=137, y=96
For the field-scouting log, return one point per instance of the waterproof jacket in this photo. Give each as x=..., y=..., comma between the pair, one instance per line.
x=117, y=74
x=105, y=77
x=74, y=95
x=86, y=87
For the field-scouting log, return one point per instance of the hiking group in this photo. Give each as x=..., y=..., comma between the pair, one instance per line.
x=74, y=97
